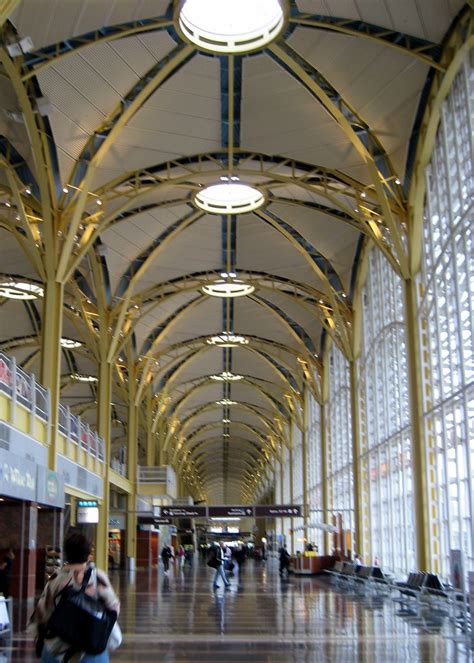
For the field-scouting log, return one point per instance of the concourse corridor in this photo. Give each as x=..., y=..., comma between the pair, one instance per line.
x=263, y=618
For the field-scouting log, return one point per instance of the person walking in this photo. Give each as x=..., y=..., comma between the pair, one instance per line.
x=284, y=557
x=220, y=571
x=77, y=550
x=166, y=555
x=181, y=557
x=6, y=571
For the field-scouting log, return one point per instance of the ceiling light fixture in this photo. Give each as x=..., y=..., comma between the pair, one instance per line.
x=227, y=340
x=226, y=401
x=70, y=343
x=20, y=290
x=229, y=197
x=228, y=286
x=226, y=421
x=226, y=376
x=231, y=26
x=78, y=377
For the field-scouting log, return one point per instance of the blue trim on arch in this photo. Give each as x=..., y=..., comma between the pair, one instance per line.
x=319, y=260
x=19, y=164
x=295, y=326
x=140, y=259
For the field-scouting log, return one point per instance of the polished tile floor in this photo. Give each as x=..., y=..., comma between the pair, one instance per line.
x=180, y=619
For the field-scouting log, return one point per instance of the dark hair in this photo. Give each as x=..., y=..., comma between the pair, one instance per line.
x=77, y=548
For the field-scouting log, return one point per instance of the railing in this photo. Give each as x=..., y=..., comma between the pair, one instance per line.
x=163, y=474
x=117, y=466
x=23, y=388
x=152, y=474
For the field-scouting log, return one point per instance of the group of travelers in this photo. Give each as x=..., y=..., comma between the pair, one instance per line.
x=183, y=555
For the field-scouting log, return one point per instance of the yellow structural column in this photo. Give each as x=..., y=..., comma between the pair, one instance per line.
x=358, y=544
x=104, y=411
x=290, y=471
x=51, y=357
x=150, y=436
x=324, y=460
x=420, y=493
x=304, y=454
x=132, y=457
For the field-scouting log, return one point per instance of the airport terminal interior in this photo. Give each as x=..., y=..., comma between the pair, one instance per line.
x=236, y=308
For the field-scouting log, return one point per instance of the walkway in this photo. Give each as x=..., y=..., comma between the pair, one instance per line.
x=180, y=619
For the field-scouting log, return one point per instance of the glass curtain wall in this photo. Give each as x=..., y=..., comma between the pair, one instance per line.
x=385, y=433
x=315, y=476
x=339, y=444
x=445, y=315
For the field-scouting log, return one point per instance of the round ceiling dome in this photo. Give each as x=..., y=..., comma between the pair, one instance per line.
x=231, y=26
x=229, y=198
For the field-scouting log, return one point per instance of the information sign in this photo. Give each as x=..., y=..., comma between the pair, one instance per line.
x=278, y=511
x=183, y=511
x=230, y=511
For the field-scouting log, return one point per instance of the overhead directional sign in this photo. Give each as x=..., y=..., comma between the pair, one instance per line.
x=151, y=520
x=278, y=511
x=233, y=511
x=184, y=511
x=230, y=511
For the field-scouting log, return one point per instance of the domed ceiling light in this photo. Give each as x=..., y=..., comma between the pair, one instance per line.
x=226, y=376
x=228, y=286
x=231, y=26
x=229, y=197
x=227, y=340
x=20, y=290
x=226, y=401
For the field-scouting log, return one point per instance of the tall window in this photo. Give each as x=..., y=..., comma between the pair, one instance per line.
x=386, y=463
x=339, y=443
x=298, y=523
x=445, y=314
x=315, y=478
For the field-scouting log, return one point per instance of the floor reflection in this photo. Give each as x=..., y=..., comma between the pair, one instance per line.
x=179, y=618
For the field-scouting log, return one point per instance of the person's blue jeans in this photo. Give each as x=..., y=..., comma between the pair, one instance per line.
x=47, y=657
x=220, y=573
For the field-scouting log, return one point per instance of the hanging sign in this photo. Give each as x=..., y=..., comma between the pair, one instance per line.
x=278, y=511
x=230, y=511
x=183, y=512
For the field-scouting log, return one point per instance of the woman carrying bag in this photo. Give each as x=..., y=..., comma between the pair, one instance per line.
x=77, y=577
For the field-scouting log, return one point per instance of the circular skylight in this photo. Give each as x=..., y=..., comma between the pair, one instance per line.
x=227, y=340
x=20, y=290
x=229, y=198
x=231, y=26
x=228, y=286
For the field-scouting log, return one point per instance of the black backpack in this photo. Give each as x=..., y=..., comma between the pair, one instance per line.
x=82, y=621
x=213, y=562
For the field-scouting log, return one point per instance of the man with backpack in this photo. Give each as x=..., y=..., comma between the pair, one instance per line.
x=216, y=561
x=77, y=610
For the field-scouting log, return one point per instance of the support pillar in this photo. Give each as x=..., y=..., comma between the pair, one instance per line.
x=132, y=457
x=304, y=453
x=51, y=358
x=150, y=436
x=290, y=469
x=324, y=467
x=358, y=543
x=104, y=412
x=420, y=492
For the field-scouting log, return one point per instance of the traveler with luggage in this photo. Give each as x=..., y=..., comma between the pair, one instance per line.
x=75, y=618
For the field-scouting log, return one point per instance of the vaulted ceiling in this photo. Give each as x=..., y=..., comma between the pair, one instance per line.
x=136, y=118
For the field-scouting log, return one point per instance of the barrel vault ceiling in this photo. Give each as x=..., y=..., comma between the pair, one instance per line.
x=320, y=120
